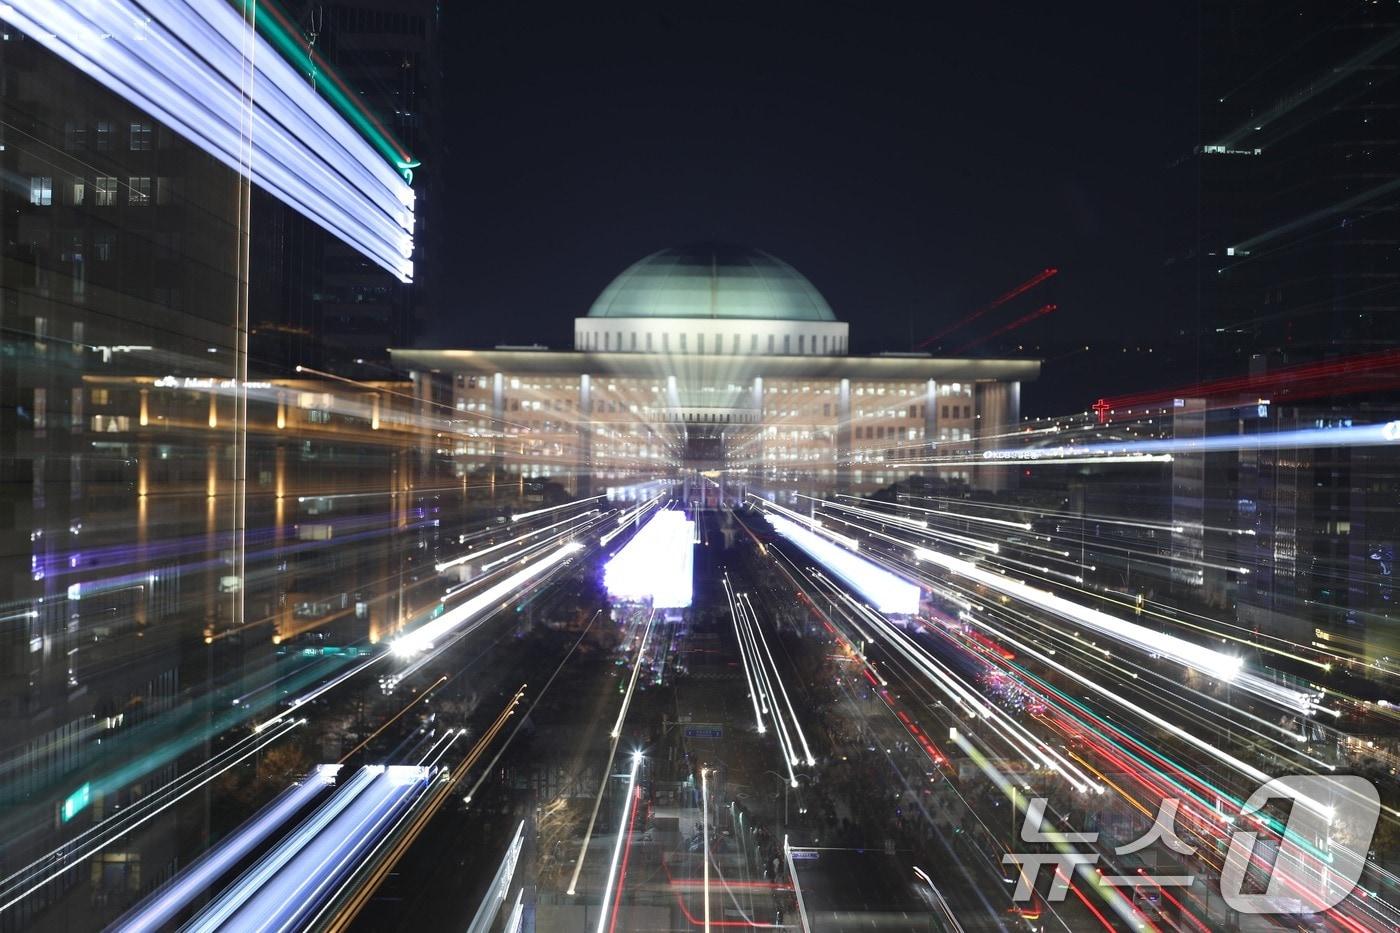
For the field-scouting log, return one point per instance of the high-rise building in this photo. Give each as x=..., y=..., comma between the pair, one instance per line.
x=1290, y=256
x=320, y=303
x=1290, y=240
x=167, y=525
x=1318, y=534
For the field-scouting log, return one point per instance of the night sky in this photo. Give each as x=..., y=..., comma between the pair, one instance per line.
x=914, y=164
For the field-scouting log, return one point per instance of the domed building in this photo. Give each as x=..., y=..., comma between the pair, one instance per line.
x=723, y=366
x=711, y=298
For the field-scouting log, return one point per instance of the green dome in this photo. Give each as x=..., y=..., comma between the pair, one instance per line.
x=712, y=280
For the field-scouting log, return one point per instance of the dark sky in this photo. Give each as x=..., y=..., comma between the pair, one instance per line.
x=913, y=162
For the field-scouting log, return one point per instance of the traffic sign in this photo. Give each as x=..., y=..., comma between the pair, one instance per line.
x=704, y=732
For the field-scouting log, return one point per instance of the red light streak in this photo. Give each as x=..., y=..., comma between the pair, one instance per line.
x=1021, y=289
x=1181, y=908
x=626, y=854
x=1331, y=377
x=697, y=922
x=1092, y=909
x=1019, y=322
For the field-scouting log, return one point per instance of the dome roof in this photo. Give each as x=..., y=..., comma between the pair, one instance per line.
x=712, y=280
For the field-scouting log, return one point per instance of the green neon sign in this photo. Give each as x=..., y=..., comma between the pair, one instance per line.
x=77, y=801
x=282, y=34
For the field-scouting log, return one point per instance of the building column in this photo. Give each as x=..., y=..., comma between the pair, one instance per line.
x=999, y=405
x=930, y=421
x=761, y=426
x=498, y=426
x=843, y=437
x=583, y=463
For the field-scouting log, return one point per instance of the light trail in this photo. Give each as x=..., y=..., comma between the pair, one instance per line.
x=571, y=521
x=622, y=871
x=218, y=911
x=796, y=885
x=1207, y=660
x=497, y=892
x=519, y=516
x=168, y=900
x=632, y=682
x=1021, y=289
x=768, y=700
x=192, y=66
x=423, y=695
x=744, y=657
x=616, y=737
x=341, y=909
x=517, y=914
x=944, y=910
x=40, y=872
x=1366, y=435
x=943, y=514
x=888, y=592
x=705, y=823
x=295, y=878
x=622, y=835
x=1021, y=321
x=763, y=640
x=318, y=691
x=490, y=765
x=916, y=526
x=422, y=639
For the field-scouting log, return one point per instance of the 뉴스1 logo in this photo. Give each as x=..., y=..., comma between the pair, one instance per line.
x=1310, y=872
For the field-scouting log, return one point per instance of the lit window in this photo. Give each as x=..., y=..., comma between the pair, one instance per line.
x=41, y=190
x=138, y=190
x=104, y=135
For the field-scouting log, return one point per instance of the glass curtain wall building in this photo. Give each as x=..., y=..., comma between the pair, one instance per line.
x=185, y=522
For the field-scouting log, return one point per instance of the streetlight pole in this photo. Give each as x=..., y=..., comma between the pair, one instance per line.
x=705, y=825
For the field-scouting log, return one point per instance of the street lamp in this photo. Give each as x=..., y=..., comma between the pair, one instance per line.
x=705, y=826
x=787, y=783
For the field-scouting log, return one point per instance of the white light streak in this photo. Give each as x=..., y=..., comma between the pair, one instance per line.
x=886, y=591
x=425, y=636
x=184, y=63
x=617, y=846
x=1197, y=657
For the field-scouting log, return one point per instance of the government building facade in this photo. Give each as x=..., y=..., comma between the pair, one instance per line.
x=723, y=368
